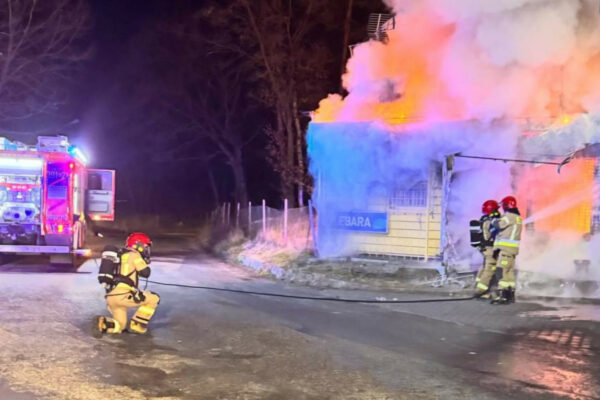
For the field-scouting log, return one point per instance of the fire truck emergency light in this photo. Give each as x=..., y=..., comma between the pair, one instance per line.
x=78, y=154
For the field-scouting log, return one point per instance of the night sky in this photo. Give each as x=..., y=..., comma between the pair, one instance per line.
x=116, y=22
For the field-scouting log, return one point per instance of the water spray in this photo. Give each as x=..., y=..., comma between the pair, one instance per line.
x=564, y=204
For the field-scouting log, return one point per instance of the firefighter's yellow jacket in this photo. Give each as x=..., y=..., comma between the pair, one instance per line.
x=132, y=267
x=509, y=227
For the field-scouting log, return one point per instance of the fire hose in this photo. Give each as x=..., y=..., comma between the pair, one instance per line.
x=299, y=297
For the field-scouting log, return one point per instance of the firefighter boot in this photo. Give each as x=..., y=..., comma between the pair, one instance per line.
x=504, y=297
x=482, y=295
x=142, y=316
x=511, y=295
x=508, y=295
x=496, y=297
x=103, y=325
x=136, y=327
x=98, y=326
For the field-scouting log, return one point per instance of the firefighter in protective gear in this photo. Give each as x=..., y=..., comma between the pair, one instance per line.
x=487, y=271
x=506, y=247
x=125, y=293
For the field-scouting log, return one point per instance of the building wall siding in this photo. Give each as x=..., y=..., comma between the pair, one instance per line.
x=412, y=231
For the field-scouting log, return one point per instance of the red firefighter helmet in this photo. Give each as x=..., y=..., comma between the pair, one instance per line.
x=509, y=202
x=140, y=242
x=489, y=206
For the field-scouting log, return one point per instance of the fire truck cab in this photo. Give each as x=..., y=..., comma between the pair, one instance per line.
x=46, y=192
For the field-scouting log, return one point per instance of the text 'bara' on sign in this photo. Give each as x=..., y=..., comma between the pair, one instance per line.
x=363, y=221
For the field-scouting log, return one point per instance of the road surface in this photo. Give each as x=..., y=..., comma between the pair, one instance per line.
x=216, y=345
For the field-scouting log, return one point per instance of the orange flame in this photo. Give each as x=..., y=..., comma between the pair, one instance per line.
x=409, y=61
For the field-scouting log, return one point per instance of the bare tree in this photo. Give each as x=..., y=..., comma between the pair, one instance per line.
x=40, y=49
x=346, y=40
x=285, y=41
x=201, y=100
x=215, y=113
x=286, y=34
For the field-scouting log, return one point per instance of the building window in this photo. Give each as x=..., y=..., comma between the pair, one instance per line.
x=410, y=196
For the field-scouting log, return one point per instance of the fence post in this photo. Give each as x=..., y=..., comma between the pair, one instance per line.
x=228, y=213
x=237, y=217
x=311, y=224
x=249, y=218
x=285, y=220
x=427, y=213
x=264, y=217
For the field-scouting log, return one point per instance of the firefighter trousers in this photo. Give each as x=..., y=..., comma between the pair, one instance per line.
x=486, y=273
x=478, y=277
x=507, y=263
x=118, y=304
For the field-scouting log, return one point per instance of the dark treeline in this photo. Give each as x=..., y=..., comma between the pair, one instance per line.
x=196, y=102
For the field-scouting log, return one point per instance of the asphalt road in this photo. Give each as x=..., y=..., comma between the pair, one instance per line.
x=216, y=345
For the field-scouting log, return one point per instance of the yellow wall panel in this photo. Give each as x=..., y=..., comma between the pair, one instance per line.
x=400, y=218
x=407, y=233
x=417, y=226
x=398, y=250
x=393, y=241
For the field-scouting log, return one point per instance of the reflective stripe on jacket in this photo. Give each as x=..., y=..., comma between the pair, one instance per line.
x=508, y=238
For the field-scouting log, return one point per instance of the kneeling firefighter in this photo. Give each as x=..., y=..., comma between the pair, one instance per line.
x=119, y=274
x=506, y=248
x=482, y=237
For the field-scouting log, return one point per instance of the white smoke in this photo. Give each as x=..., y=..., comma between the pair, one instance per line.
x=584, y=130
x=510, y=57
x=476, y=60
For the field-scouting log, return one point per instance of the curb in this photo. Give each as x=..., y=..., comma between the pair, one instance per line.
x=331, y=282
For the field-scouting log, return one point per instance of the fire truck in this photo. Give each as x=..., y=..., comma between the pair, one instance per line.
x=47, y=195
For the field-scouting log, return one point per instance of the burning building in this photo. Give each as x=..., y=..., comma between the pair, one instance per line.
x=463, y=103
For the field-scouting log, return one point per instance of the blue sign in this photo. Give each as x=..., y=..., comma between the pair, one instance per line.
x=376, y=222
